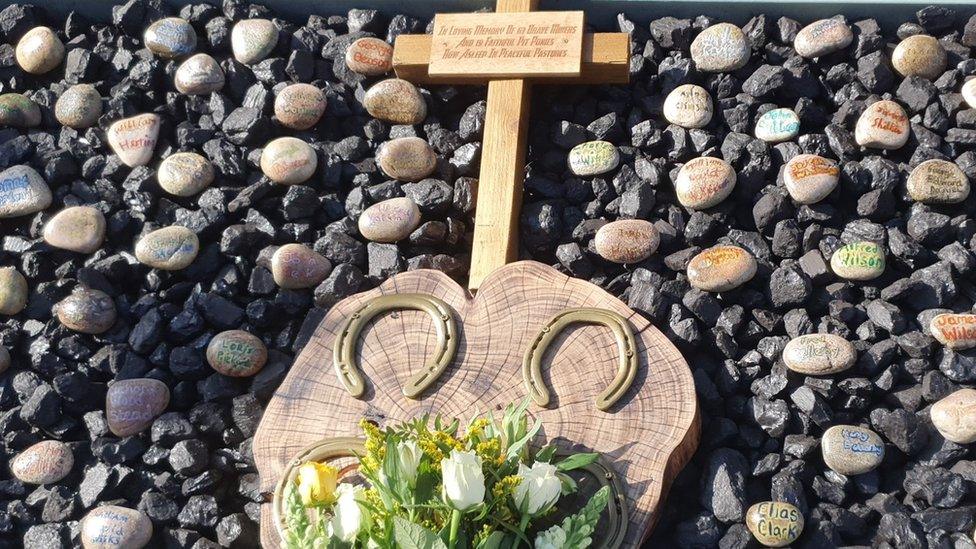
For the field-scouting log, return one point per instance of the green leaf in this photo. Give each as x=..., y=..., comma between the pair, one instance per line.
x=545, y=455
x=576, y=461
x=414, y=536
x=494, y=541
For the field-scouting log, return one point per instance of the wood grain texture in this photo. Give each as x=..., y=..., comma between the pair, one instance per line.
x=606, y=60
x=649, y=435
x=501, y=180
x=507, y=45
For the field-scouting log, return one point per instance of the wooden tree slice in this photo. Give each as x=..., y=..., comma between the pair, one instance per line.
x=648, y=435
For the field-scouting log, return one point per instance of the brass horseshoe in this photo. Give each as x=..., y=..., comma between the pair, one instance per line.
x=344, y=349
x=626, y=346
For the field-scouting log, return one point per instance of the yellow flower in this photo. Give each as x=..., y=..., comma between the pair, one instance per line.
x=317, y=483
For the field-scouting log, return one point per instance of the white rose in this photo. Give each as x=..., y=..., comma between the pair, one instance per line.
x=408, y=456
x=350, y=517
x=553, y=538
x=464, y=481
x=540, y=486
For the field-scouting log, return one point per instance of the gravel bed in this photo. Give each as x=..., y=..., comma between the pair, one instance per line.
x=192, y=473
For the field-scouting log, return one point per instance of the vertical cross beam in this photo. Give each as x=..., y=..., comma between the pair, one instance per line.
x=502, y=169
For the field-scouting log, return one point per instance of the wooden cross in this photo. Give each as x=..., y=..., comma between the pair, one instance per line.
x=603, y=58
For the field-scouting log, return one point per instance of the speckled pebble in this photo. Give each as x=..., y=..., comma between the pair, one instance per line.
x=22, y=192
x=253, y=39
x=822, y=37
x=391, y=220
x=957, y=331
x=397, y=101
x=774, y=524
x=593, y=158
x=185, y=173
x=704, y=182
x=13, y=291
x=954, y=416
x=19, y=111
x=722, y=47
x=288, y=160
x=721, y=268
x=296, y=266
x=369, y=56
x=627, y=240
x=300, y=106
x=131, y=405
x=114, y=527
x=858, y=261
x=77, y=228
x=170, y=37
x=236, y=353
x=45, y=462
x=810, y=178
x=688, y=106
x=407, y=158
x=39, y=51
x=851, y=450
x=938, y=181
x=79, y=106
x=919, y=55
x=134, y=138
x=168, y=249
x=199, y=75
x=87, y=310
x=883, y=125
x=819, y=354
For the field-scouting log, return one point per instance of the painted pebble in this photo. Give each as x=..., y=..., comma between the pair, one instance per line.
x=957, y=331
x=114, y=527
x=369, y=56
x=627, y=240
x=131, y=405
x=87, y=310
x=4, y=359
x=822, y=37
x=252, y=40
x=721, y=268
x=407, y=158
x=296, y=266
x=954, y=416
x=919, y=55
x=883, y=125
x=236, y=353
x=22, y=192
x=810, y=178
x=46, y=462
x=389, y=221
x=774, y=524
x=778, y=125
x=858, y=261
x=593, y=158
x=13, y=291
x=704, y=182
x=170, y=37
x=299, y=106
x=969, y=92
x=76, y=228
x=39, y=51
x=288, y=161
x=851, y=450
x=79, y=106
x=720, y=48
x=168, y=249
x=819, y=354
x=134, y=139
x=938, y=182
x=688, y=106
x=396, y=101
x=199, y=75
x=19, y=111
x=185, y=173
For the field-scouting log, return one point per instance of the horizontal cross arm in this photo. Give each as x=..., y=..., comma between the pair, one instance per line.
x=606, y=60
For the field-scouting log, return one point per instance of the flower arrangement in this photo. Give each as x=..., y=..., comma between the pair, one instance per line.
x=431, y=487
